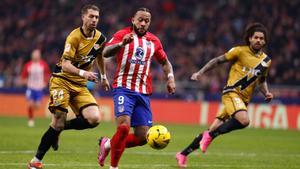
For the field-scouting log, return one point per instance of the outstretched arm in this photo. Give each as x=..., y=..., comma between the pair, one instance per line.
x=210, y=65
x=168, y=71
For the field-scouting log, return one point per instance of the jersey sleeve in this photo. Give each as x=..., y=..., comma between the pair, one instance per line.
x=70, y=48
x=160, y=55
x=24, y=73
x=265, y=73
x=118, y=37
x=232, y=54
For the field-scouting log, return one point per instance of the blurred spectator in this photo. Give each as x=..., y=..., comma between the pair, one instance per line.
x=193, y=32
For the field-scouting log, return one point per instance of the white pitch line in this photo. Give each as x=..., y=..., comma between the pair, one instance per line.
x=144, y=165
x=157, y=153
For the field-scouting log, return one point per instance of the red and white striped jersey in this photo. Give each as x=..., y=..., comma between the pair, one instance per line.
x=133, y=61
x=37, y=74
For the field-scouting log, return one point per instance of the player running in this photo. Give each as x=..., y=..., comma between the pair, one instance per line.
x=249, y=69
x=36, y=76
x=68, y=83
x=134, y=48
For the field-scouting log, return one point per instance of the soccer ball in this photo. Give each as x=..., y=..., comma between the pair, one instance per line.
x=158, y=137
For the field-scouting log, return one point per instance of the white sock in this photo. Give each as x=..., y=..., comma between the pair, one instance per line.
x=113, y=167
x=34, y=159
x=107, y=144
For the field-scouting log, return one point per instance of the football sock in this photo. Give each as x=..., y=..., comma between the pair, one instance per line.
x=78, y=123
x=118, y=143
x=232, y=124
x=47, y=140
x=132, y=141
x=193, y=146
x=30, y=113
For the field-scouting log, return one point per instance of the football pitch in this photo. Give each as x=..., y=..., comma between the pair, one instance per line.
x=244, y=149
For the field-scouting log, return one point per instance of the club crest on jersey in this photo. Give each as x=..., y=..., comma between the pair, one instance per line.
x=96, y=46
x=139, y=53
x=121, y=108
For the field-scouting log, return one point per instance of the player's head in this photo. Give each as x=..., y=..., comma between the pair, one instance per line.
x=256, y=36
x=141, y=21
x=36, y=55
x=90, y=16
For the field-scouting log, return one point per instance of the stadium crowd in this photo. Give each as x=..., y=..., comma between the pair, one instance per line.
x=191, y=31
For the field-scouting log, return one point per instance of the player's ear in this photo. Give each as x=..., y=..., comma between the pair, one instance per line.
x=132, y=20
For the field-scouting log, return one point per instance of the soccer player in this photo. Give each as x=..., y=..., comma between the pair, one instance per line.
x=35, y=75
x=134, y=48
x=249, y=69
x=68, y=83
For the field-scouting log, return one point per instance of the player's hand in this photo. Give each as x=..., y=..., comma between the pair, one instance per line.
x=105, y=84
x=268, y=97
x=127, y=39
x=91, y=76
x=171, y=86
x=196, y=76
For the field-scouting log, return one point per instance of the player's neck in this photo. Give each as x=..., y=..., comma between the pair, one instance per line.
x=255, y=51
x=87, y=32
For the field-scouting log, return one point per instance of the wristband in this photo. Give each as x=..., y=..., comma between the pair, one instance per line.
x=81, y=72
x=103, y=76
x=170, y=75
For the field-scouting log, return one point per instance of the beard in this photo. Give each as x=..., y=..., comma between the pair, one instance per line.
x=136, y=30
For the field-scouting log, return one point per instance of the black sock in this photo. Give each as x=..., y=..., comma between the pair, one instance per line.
x=193, y=146
x=78, y=123
x=46, y=141
x=232, y=124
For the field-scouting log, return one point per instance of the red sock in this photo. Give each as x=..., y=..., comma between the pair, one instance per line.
x=30, y=113
x=117, y=143
x=132, y=141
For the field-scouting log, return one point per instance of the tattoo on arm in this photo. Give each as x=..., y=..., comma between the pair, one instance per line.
x=110, y=51
x=213, y=63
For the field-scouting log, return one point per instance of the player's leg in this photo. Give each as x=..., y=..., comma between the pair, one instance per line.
x=34, y=105
x=86, y=109
x=235, y=108
x=141, y=120
x=124, y=103
x=49, y=138
x=118, y=141
x=30, y=103
x=181, y=156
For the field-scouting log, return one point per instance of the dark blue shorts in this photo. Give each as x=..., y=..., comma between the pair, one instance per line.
x=34, y=95
x=133, y=104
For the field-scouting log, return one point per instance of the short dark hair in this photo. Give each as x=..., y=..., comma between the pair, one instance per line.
x=252, y=28
x=85, y=8
x=142, y=9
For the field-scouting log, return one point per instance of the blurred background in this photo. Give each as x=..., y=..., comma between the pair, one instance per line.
x=192, y=33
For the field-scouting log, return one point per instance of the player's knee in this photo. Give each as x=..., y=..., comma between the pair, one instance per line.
x=94, y=120
x=58, y=126
x=245, y=122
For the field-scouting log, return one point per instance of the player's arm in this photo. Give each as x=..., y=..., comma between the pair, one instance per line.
x=113, y=49
x=263, y=88
x=67, y=66
x=102, y=70
x=210, y=65
x=168, y=71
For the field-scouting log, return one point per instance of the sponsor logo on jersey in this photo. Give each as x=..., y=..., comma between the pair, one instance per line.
x=96, y=46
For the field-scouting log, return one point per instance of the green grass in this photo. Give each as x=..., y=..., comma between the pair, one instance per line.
x=249, y=148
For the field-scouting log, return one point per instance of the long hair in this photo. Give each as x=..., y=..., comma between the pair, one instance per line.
x=252, y=28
